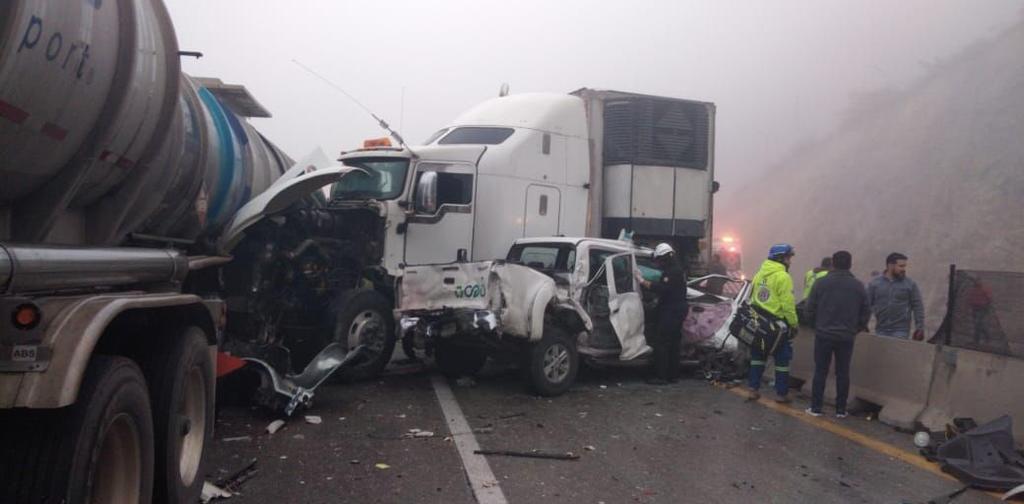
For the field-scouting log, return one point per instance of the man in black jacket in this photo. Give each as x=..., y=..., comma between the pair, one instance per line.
x=671, y=312
x=838, y=309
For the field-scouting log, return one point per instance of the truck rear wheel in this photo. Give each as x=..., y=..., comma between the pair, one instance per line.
x=364, y=317
x=182, y=390
x=454, y=361
x=552, y=363
x=100, y=449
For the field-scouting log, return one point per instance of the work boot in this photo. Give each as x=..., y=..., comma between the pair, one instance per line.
x=783, y=399
x=753, y=396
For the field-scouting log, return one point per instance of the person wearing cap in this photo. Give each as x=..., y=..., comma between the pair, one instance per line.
x=838, y=310
x=669, y=315
x=815, y=275
x=772, y=298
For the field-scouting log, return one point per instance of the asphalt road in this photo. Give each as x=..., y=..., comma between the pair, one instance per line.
x=687, y=442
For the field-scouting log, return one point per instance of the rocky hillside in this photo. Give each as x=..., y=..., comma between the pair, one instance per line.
x=935, y=171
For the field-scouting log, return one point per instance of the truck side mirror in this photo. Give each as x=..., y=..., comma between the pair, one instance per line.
x=426, y=193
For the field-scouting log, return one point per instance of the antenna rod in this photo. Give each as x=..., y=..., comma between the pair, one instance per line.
x=383, y=124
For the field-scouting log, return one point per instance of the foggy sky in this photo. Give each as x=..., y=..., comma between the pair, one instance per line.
x=780, y=72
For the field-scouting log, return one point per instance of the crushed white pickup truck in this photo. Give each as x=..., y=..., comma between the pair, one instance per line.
x=552, y=303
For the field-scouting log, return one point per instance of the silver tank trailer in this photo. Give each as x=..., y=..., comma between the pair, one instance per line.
x=102, y=136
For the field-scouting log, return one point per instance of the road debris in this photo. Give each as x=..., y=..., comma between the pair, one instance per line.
x=382, y=466
x=314, y=419
x=237, y=438
x=1013, y=493
x=233, y=481
x=212, y=492
x=512, y=415
x=530, y=454
x=275, y=426
x=983, y=457
x=589, y=448
x=466, y=381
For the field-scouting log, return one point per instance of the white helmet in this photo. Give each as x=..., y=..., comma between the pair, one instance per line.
x=662, y=250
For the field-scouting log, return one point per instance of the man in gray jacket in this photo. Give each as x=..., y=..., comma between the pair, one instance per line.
x=894, y=298
x=838, y=310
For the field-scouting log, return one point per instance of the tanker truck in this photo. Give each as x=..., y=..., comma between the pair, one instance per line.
x=117, y=172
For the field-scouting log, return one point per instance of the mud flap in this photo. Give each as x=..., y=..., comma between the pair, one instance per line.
x=288, y=392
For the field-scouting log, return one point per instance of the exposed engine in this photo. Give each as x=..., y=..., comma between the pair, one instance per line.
x=288, y=275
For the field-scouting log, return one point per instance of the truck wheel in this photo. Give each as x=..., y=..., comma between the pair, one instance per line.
x=183, y=398
x=454, y=361
x=100, y=449
x=553, y=363
x=364, y=317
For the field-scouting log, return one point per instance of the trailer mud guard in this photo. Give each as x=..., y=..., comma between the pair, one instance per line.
x=73, y=337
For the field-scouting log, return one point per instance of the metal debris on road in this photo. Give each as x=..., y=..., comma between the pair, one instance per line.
x=233, y=481
x=275, y=426
x=382, y=466
x=314, y=419
x=530, y=454
x=237, y=438
x=1013, y=493
x=213, y=492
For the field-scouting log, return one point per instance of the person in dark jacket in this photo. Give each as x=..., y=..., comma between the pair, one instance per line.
x=838, y=309
x=669, y=315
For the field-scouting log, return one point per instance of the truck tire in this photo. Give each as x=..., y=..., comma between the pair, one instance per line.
x=182, y=389
x=454, y=361
x=99, y=449
x=365, y=317
x=552, y=363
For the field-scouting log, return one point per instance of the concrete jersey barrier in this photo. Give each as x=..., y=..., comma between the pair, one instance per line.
x=919, y=382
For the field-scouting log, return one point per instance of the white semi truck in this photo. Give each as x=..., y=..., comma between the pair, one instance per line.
x=589, y=163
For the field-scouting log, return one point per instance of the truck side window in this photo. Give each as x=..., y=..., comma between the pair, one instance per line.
x=597, y=258
x=622, y=268
x=454, y=188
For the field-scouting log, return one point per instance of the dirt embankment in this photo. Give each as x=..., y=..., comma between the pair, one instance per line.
x=935, y=171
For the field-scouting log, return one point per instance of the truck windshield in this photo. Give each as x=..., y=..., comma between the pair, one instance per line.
x=385, y=180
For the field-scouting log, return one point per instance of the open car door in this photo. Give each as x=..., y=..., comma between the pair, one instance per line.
x=626, y=309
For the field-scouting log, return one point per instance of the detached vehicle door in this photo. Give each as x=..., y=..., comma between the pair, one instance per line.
x=625, y=305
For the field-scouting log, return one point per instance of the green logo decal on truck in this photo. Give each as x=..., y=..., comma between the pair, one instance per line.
x=470, y=291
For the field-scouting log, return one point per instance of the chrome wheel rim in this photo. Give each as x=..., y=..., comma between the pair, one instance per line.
x=367, y=329
x=118, y=472
x=556, y=363
x=193, y=409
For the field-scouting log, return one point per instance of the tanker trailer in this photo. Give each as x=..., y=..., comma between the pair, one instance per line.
x=117, y=172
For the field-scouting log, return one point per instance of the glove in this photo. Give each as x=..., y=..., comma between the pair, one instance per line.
x=919, y=335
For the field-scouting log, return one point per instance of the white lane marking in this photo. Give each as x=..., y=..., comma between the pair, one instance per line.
x=478, y=471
